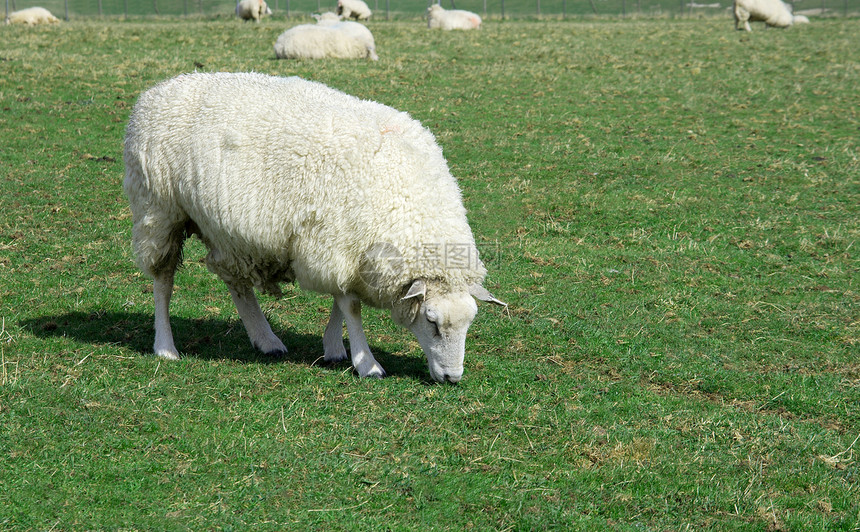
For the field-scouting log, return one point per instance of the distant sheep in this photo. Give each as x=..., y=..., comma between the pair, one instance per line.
x=801, y=19
x=32, y=16
x=327, y=38
x=353, y=9
x=772, y=12
x=252, y=10
x=451, y=19
x=289, y=180
x=327, y=18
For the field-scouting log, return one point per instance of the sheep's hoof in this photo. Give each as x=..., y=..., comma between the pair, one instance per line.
x=376, y=373
x=277, y=354
x=167, y=355
x=271, y=347
x=336, y=357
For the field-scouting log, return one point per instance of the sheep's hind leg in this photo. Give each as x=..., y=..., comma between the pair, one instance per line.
x=259, y=330
x=333, y=337
x=362, y=359
x=162, y=289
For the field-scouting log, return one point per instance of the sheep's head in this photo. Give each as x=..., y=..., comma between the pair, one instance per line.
x=440, y=320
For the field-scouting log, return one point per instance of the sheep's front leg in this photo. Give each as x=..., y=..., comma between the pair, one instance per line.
x=162, y=289
x=259, y=330
x=362, y=359
x=333, y=337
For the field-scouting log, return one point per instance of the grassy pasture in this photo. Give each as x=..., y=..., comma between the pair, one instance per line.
x=669, y=207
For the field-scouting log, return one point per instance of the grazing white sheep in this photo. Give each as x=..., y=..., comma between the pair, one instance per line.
x=252, y=9
x=289, y=180
x=771, y=12
x=451, y=19
x=327, y=38
x=356, y=9
x=32, y=16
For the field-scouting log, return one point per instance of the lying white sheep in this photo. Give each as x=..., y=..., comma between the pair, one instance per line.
x=451, y=19
x=800, y=19
x=327, y=18
x=252, y=9
x=288, y=180
x=32, y=16
x=327, y=38
x=771, y=12
x=356, y=9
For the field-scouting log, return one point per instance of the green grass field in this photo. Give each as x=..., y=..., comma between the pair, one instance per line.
x=670, y=208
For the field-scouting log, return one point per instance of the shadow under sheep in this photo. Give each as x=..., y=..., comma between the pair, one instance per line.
x=203, y=339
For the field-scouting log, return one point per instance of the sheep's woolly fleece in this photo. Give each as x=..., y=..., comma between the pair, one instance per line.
x=451, y=19
x=356, y=9
x=32, y=16
x=327, y=38
x=252, y=9
x=291, y=180
x=772, y=12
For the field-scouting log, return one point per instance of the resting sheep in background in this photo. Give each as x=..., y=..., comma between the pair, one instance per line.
x=353, y=9
x=327, y=18
x=771, y=12
x=289, y=180
x=451, y=19
x=329, y=37
x=32, y=16
x=252, y=10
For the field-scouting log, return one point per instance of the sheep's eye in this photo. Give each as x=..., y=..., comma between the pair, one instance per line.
x=435, y=326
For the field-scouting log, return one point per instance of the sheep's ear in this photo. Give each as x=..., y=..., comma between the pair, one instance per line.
x=418, y=288
x=481, y=294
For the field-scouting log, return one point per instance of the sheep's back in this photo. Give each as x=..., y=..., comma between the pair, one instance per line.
x=318, y=41
x=292, y=172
